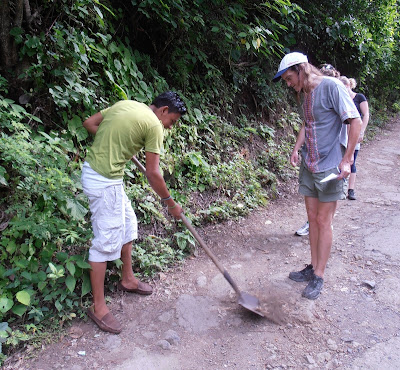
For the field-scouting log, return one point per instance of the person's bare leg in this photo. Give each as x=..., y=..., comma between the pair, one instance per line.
x=324, y=221
x=128, y=280
x=97, y=275
x=312, y=210
x=352, y=180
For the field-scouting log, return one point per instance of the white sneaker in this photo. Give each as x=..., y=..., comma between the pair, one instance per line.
x=303, y=230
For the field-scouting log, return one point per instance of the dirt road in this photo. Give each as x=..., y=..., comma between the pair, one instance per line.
x=192, y=321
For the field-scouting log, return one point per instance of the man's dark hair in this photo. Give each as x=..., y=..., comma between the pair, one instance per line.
x=172, y=100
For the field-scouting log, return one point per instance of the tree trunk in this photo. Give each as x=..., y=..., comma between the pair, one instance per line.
x=8, y=49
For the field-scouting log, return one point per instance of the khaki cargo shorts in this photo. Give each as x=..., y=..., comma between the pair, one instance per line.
x=113, y=220
x=310, y=185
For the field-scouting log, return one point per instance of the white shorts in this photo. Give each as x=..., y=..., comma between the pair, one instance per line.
x=114, y=222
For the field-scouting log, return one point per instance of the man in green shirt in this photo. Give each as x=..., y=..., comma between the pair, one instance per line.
x=121, y=131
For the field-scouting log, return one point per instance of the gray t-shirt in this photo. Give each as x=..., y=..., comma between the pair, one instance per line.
x=325, y=109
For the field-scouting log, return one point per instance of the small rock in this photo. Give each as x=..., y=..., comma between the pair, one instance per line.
x=324, y=357
x=149, y=334
x=247, y=256
x=368, y=263
x=358, y=257
x=369, y=283
x=201, y=281
x=75, y=332
x=82, y=353
x=347, y=339
x=332, y=344
x=164, y=344
x=172, y=337
x=310, y=360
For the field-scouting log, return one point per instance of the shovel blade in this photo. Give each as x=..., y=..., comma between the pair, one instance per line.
x=250, y=302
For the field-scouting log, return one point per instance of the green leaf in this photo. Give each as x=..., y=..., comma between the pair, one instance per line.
x=70, y=282
x=42, y=276
x=198, y=114
x=3, y=180
x=86, y=286
x=23, y=297
x=62, y=256
x=70, y=267
x=82, y=264
x=52, y=268
x=121, y=92
x=117, y=64
x=110, y=76
x=27, y=275
x=76, y=209
x=58, y=306
x=11, y=247
x=5, y=304
x=19, y=309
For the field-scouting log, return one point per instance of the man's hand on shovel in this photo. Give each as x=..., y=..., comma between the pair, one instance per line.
x=175, y=211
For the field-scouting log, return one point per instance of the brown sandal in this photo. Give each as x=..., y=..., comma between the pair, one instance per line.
x=143, y=288
x=108, y=322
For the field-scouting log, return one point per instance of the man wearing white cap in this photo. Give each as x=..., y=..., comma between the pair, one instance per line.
x=325, y=106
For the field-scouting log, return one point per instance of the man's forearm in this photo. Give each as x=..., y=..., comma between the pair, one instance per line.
x=158, y=184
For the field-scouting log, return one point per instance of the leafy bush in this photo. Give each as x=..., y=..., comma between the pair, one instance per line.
x=46, y=219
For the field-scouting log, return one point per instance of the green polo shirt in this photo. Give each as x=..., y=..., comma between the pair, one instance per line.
x=127, y=127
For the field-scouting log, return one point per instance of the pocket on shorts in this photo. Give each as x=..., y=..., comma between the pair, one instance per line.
x=333, y=186
x=107, y=221
x=108, y=236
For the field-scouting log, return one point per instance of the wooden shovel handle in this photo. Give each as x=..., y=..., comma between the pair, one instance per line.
x=197, y=237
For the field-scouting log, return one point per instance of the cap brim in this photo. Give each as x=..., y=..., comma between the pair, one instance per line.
x=277, y=77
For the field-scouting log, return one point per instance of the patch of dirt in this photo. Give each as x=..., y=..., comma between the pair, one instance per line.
x=193, y=320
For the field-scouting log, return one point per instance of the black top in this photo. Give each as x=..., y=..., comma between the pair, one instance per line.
x=358, y=99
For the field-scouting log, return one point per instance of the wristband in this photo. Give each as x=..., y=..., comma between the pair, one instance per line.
x=173, y=206
x=165, y=199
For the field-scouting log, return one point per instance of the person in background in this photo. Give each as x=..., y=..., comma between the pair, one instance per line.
x=121, y=131
x=331, y=71
x=325, y=106
x=362, y=106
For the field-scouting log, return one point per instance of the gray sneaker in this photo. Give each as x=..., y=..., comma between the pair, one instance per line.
x=351, y=195
x=304, y=275
x=314, y=287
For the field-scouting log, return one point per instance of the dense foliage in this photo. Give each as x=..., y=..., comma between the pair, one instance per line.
x=64, y=60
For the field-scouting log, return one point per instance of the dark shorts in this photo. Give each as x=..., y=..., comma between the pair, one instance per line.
x=310, y=185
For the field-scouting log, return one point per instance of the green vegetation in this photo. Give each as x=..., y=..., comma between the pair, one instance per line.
x=67, y=59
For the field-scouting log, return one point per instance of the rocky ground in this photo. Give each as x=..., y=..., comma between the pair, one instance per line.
x=193, y=321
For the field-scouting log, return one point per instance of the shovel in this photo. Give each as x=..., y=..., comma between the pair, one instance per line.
x=246, y=300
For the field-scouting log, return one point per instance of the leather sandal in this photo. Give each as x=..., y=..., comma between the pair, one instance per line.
x=143, y=288
x=107, y=323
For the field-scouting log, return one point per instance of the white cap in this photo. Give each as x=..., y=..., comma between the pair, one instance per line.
x=289, y=60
